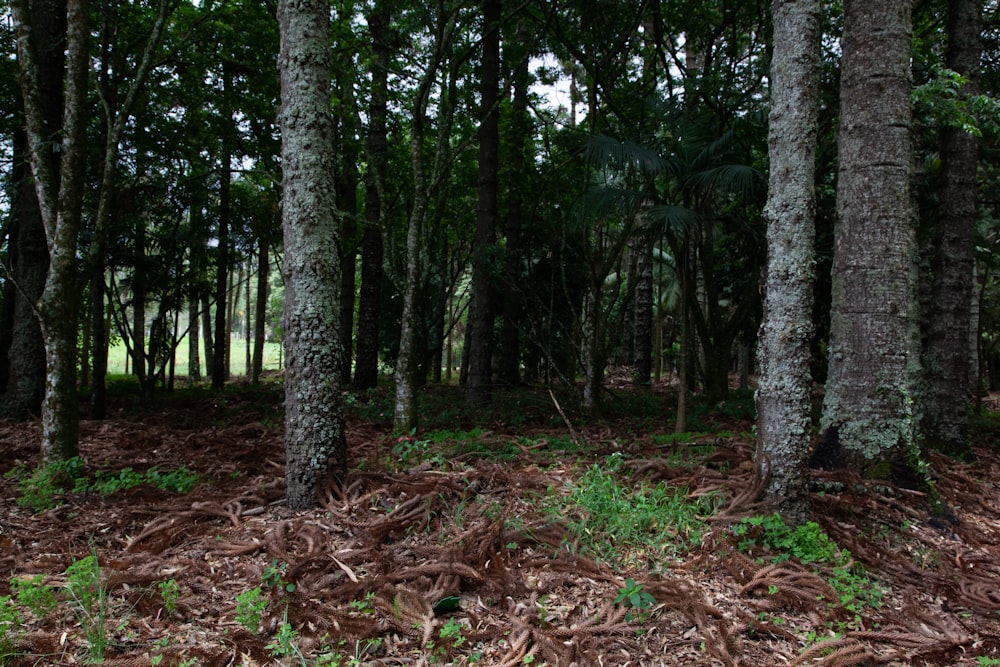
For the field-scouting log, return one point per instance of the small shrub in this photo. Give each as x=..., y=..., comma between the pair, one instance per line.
x=34, y=594
x=170, y=592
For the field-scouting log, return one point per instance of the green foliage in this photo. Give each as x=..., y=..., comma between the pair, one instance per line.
x=40, y=487
x=942, y=102
x=250, y=606
x=90, y=603
x=634, y=596
x=181, y=480
x=285, y=642
x=808, y=542
x=10, y=629
x=34, y=594
x=169, y=592
x=984, y=661
x=633, y=524
x=811, y=545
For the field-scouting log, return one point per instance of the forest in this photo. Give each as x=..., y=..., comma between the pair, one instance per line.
x=505, y=332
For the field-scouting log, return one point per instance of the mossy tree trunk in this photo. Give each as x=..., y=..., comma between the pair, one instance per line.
x=315, y=445
x=784, y=427
x=872, y=388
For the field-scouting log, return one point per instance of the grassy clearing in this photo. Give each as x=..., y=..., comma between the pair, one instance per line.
x=237, y=360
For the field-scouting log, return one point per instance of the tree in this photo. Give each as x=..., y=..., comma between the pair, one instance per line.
x=315, y=446
x=945, y=422
x=366, y=366
x=59, y=188
x=871, y=402
x=784, y=424
x=28, y=257
x=481, y=309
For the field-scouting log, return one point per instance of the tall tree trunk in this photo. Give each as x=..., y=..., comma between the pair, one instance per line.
x=642, y=353
x=260, y=312
x=405, y=409
x=871, y=392
x=220, y=366
x=519, y=165
x=347, y=204
x=60, y=196
x=366, y=367
x=784, y=424
x=28, y=259
x=946, y=352
x=206, y=335
x=478, y=390
x=29, y=253
x=194, y=339
x=315, y=446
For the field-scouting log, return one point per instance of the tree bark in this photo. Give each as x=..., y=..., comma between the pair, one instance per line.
x=784, y=424
x=945, y=422
x=347, y=204
x=479, y=388
x=29, y=256
x=871, y=393
x=60, y=197
x=315, y=445
x=260, y=312
x=366, y=365
x=220, y=365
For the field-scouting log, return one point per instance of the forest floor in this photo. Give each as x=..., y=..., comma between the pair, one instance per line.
x=525, y=535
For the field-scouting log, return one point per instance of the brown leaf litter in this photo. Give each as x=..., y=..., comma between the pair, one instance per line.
x=369, y=567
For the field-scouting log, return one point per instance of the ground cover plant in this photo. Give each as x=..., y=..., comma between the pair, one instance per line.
x=492, y=539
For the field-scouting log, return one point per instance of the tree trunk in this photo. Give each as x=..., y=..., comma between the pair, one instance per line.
x=29, y=253
x=206, y=334
x=518, y=172
x=60, y=197
x=315, y=446
x=479, y=389
x=260, y=312
x=29, y=262
x=194, y=340
x=945, y=422
x=784, y=424
x=366, y=366
x=347, y=204
x=871, y=393
x=220, y=365
x=405, y=409
x=642, y=353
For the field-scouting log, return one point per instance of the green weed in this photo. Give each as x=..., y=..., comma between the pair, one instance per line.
x=89, y=600
x=34, y=594
x=169, y=592
x=10, y=630
x=636, y=524
x=250, y=606
x=40, y=487
x=811, y=545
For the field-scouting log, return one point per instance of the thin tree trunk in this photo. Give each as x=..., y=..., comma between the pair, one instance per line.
x=260, y=312
x=194, y=340
x=220, y=360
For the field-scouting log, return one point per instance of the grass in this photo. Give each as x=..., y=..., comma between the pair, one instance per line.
x=237, y=357
x=632, y=524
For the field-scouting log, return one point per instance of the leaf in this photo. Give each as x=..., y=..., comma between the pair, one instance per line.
x=447, y=604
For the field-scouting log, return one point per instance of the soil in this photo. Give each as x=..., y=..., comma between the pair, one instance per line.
x=447, y=551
